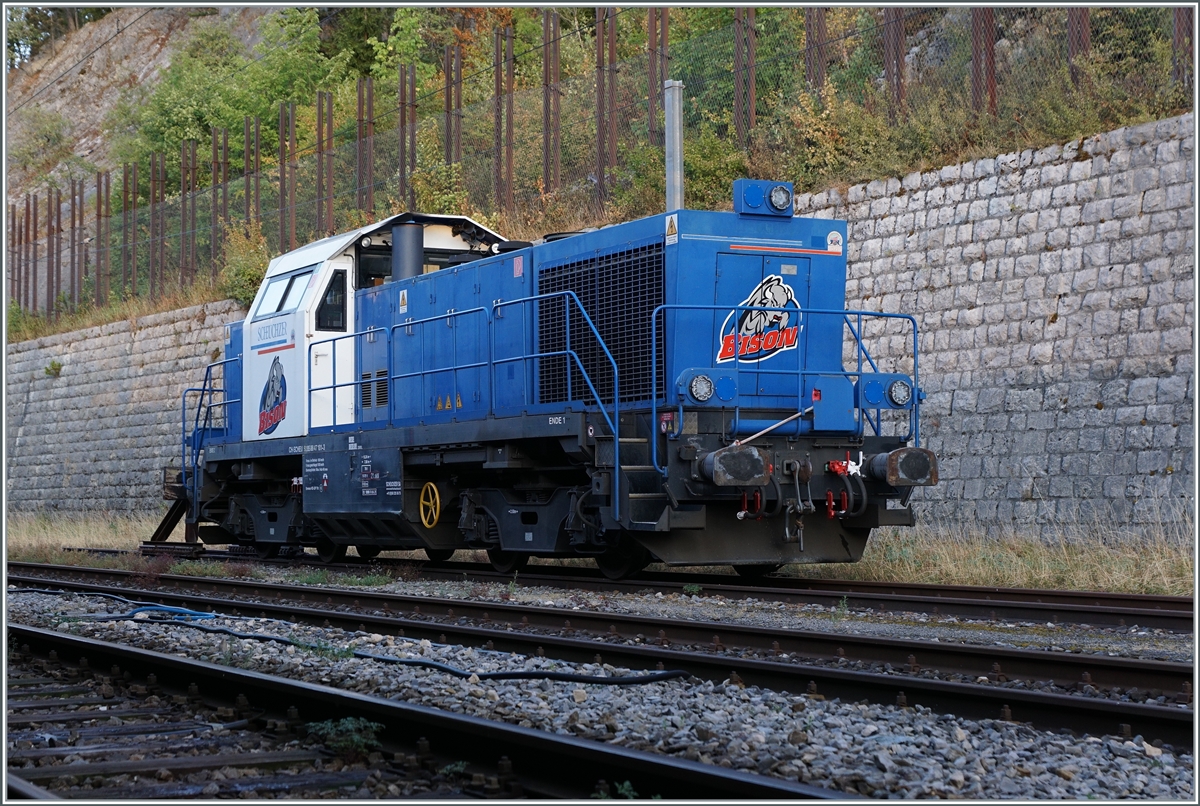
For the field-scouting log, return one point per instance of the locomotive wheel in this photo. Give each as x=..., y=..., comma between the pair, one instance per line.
x=368, y=552
x=506, y=561
x=623, y=560
x=439, y=555
x=266, y=551
x=330, y=552
x=755, y=572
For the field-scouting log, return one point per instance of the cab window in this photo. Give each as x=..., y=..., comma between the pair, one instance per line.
x=331, y=315
x=283, y=294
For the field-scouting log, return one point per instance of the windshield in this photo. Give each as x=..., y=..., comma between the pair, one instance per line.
x=283, y=294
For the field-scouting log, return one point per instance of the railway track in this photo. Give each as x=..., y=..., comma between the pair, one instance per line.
x=67, y=712
x=1173, y=613
x=847, y=666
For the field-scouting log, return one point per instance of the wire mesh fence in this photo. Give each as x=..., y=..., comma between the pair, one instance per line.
x=783, y=90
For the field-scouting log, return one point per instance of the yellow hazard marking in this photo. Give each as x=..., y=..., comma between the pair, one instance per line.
x=439, y=403
x=431, y=505
x=671, y=226
x=458, y=400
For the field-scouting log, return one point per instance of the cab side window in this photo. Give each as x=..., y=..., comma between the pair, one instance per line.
x=331, y=315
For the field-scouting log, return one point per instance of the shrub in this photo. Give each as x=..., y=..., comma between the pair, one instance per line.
x=246, y=259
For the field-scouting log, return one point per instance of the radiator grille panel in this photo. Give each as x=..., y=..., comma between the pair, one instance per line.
x=619, y=291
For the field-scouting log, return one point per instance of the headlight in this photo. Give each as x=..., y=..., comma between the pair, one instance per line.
x=780, y=198
x=702, y=388
x=900, y=393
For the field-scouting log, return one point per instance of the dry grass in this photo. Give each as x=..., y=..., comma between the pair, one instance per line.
x=1059, y=556
x=1097, y=557
x=41, y=538
x=23, y=326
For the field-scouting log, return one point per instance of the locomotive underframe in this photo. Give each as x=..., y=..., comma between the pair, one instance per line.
x=542, y=485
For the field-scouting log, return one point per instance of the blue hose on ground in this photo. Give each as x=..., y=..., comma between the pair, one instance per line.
x=178, y=614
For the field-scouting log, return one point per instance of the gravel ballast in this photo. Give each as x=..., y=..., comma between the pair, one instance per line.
x=867, y=749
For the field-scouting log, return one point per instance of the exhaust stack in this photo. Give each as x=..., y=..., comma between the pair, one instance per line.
x=673, y=108
x=408, y=250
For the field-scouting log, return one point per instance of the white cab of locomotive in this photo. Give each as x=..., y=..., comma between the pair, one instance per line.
x=298, y=344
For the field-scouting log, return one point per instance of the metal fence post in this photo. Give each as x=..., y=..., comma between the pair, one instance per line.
x=816, y=40
x=510, y=80
x=983, y=60
x=743, y=74
x=497, y=117
x=34, y=306
x=133, y=232
x=51, y=257
x=124, y=227
x=893, y=60
x=1182, y=69
x=551, y=135
x=1079, y=40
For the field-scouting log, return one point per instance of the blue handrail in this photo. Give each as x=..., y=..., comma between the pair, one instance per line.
x=861, y=352
x=357, y=382
x=613, y=421
x=207, y=388
x=449, y=317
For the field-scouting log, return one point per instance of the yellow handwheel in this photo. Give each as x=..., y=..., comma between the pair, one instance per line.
x=431, y=505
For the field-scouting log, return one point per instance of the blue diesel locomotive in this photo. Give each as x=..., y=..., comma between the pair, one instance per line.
x=687, y=387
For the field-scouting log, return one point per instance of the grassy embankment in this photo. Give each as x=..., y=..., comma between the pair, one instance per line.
x=1061, y=556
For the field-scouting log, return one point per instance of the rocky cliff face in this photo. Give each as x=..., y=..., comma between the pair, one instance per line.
x=81, y=77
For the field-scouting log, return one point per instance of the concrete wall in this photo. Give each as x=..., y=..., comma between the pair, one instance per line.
x=1054, y=292
x=96, y=437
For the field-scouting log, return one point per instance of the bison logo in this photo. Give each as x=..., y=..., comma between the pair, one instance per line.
x=758, y=335
x=273, y=406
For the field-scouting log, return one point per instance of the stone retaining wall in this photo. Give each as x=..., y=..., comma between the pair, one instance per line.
x=1054, y=293
x=96, y=435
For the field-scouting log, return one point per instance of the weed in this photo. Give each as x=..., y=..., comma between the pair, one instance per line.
x=512, y=585
x=370, y=580
x=350, y=739
x=842, y=611
x=154, y=568
x=54, y=370
x=457, y=768
x=314, y=576
x=692, y=589
x=328, y=650
x=198, y=568
x=624, y=789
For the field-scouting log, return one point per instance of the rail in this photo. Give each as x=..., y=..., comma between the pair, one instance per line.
x=862, y=414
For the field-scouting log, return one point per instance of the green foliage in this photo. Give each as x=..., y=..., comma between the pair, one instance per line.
x=330, y=651
x=213, y=81
x=41, y=149
x=316, y=576
x=353, y=31
x=692, y=589
x=368, y=580
x=245, y=264
x=454, y=768
x=351, y=739
x=54, y=370
x=32, y=29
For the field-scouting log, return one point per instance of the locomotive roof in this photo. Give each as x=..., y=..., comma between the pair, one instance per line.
x=319, y=251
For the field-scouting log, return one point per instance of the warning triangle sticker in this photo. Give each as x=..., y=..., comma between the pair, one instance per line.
x=671, y=226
